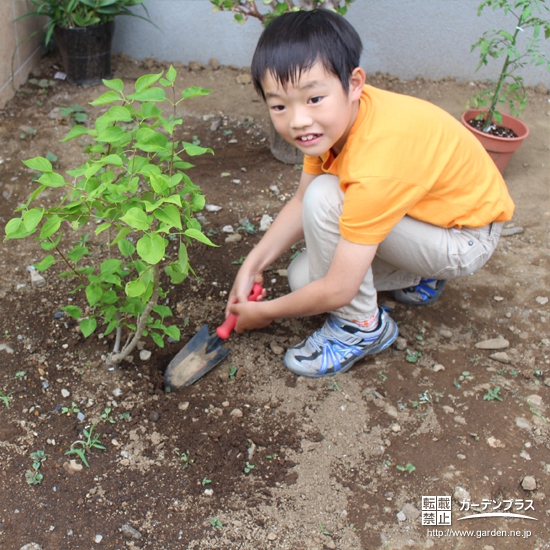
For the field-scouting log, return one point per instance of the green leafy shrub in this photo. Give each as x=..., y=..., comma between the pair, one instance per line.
x=243, y=9
x=134, y=191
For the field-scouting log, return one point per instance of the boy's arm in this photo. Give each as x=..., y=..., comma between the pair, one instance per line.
x=339, y=286
x=285, y=231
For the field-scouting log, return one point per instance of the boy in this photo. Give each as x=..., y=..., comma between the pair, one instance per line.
x=395, y=194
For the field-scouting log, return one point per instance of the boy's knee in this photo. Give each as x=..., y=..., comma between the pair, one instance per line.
x=323, y=193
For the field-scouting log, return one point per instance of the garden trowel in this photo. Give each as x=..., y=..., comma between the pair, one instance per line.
x=203, y=352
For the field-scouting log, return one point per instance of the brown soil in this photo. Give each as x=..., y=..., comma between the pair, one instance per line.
x=328, y=455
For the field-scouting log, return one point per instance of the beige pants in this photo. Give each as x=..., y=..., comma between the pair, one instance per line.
x=411, y=251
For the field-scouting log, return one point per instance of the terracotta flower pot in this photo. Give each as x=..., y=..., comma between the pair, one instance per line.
x=500, y=149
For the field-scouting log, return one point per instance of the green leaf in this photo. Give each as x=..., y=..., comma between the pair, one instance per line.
x=169, y=215
x=152, y=94
x=115, y=84
x=107, y=97
x=171, y=75
x=174, y=272
x=50, y=227
x=112, y=134
x=40, y=164
x=146, y=81
x=126, y=247
x=76, y=131
x=102, y=227
x=50, y=245
x=94, y=293
x=77, y=253
x=194, y=91
x=163, y=311
x=135, y=288
x=74, y=311
x=157, y=338
x=51, y=179
x=12, y=227
x=173, y=332
x=194, y=150
x=151, y=248
x=183, y=258
x=197, y=235
x=47, y=262
x=87, y=326
x=148, y=140
x=136, y=218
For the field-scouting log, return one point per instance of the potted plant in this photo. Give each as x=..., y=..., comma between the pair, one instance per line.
x=83, y=30
x=243, y=9
x=502, y=134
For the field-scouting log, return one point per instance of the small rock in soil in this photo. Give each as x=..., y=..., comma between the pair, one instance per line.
x=524, y=424
x=65, y=393
x=410, y=511
x=129, y=532
x=265, y=222
x=37, y=281
x=460, y=495
x=438, y=367
x=400, y=344
x=276, y=348
x=529, y=483
x=401, y=516
x=145, y=355
x=234, y=238
x=542, y=300
x=214, y=64
x=535, y=400
x=501, y=357
x=446, y=333
x=98, y=539
x=493, y=343
x=31, y=546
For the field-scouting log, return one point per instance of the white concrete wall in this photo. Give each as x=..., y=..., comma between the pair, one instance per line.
x=407, y=38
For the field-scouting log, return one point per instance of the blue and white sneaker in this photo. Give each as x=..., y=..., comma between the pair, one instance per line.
x=426, y=292
x=337, y=345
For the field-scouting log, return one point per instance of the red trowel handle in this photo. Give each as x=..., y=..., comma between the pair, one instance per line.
x=226, y=328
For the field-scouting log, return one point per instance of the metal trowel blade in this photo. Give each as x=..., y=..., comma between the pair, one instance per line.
x=199, y=356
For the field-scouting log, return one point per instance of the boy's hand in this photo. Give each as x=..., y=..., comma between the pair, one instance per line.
x=241, y=290
x=250, y=316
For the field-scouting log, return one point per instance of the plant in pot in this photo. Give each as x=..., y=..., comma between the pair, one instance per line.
x=243, y=9
x=123, y=220
x=502, y=134
x=83, y=30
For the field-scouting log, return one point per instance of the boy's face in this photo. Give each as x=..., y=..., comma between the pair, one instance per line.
x=315, y=113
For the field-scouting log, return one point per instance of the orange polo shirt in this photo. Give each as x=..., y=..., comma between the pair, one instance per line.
x=405, y=156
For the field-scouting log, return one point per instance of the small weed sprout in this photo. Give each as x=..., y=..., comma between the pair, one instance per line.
x=81, y=446
x=409, y=468
x=34, y=477
x=232, y=371
x=75, y=113
x=493, y=394
x=333, y=385
x=105, y=416
x=272, y=457
x=412, y=356
x=125, y=416
x=216, y=523
x=186, y=459
x=5, y=398
x=323, y=530
x=19, y=375
x=72, y=409
x=205, y=481
x=382, y=376
x=248, y=467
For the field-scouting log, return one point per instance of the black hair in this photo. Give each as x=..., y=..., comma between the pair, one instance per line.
x=293, y=42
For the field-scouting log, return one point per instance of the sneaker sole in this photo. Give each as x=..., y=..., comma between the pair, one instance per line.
x=388, y=340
